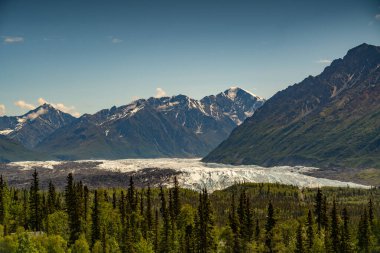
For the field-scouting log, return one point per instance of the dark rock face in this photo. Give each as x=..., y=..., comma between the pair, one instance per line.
x=33, y=127
x=8, y=122
x=176, y=126
x=331, y=120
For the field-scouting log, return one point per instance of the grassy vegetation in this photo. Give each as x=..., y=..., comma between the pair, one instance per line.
x=371, y=176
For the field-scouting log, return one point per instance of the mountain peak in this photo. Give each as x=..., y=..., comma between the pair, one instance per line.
x=47, y=106
x=35, y=125
x=235, y=91
x=39, y=111
x=302, y=125
x=363, y=50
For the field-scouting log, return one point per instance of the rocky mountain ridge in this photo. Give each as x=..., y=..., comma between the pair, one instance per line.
x=330, y=120
x=176, y=126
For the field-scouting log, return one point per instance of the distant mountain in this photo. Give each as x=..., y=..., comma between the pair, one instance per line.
x=33, y=127
x=331, y=120
x=176, y=126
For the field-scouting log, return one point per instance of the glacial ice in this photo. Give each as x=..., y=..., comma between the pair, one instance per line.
x=196, y=175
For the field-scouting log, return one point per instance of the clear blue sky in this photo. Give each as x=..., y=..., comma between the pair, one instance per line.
x=95, y=54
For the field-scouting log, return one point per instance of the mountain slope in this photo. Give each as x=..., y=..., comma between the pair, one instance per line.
x=13, y=151
x=33, y=127
x=176, y=126
x=331, y=120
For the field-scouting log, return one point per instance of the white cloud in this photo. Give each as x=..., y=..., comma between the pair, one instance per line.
x=324, y=61
x=32, y=116
x=12, y=39
x=377, y=16
x=42, y=101
x=66, y=109
x=116, y=40
x=23, y=105
x=160, y=93
x=36, y=114
x=134, y=98
x=2, y=109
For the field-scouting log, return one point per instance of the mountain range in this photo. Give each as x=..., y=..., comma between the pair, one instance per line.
x=176, y=126
x=330, y=120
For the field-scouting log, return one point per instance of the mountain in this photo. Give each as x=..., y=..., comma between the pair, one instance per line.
x=176, y=126
x=330, y=120
x=13, y=151
x=33, y=127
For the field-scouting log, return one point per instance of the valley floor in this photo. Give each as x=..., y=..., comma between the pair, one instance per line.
x=191, y=173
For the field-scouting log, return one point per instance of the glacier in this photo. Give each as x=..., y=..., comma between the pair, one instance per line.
x=196, y=175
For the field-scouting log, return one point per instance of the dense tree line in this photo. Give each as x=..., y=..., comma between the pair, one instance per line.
x=242, y=218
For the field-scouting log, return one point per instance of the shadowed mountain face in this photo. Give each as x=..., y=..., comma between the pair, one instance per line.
x=331, y=120
x=13, y=151
x=176, y=126
x=33, y=127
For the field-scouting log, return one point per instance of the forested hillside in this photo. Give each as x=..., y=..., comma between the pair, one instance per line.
x=242, y=218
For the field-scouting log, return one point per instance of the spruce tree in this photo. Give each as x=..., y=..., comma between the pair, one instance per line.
x=156, y=240
x=249, y=221
x=131, y=203
x=205, y=225
x=123, y=222
x=173, y=219
x=176, y=199
x=73, y=209
x=234, y=225
x=164, y=243
x=318, y=208
x=364, y=233
x=86, y=194
x=241, y=212
x=95, y=227
x=114, y=200
x=310, y=230
x=35, y=204
x=44, y=212
x=79, y=198
x=2, y=200
x=335, y=233
x=269, y=225
x=299, y=242
x=25, y=207
x=345, y=244
x=148, y=211
x=52, y=198
x=142, y=203
x=370, y=212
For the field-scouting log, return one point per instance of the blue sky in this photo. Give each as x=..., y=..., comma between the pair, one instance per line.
x=84, y=56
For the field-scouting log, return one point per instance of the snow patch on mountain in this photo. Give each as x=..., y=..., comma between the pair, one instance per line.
x=127, y=112
x=6, y=131
x=231, y=93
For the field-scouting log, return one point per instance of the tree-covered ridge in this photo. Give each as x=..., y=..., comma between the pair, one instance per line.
x=242, y=218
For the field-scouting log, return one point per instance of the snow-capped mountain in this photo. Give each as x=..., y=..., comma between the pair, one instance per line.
x=33, y=127
x=235, y=103
x=176, y=126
